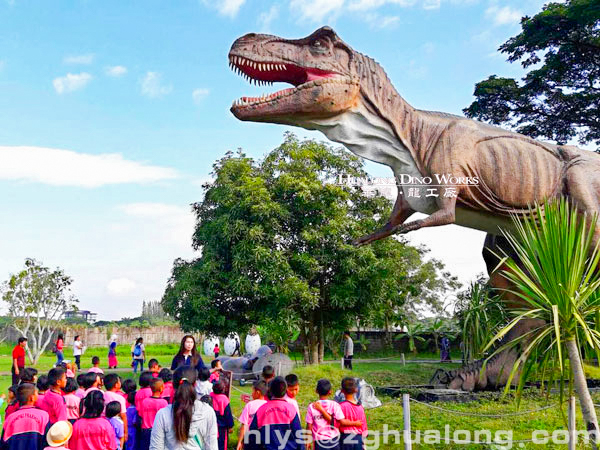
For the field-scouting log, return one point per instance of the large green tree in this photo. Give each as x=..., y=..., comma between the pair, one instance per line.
x=559, y=97
x=275, y=237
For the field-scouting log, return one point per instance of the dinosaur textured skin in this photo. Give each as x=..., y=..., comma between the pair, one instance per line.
x=349, y=98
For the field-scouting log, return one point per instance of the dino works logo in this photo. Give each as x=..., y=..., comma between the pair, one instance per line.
x=437, y=185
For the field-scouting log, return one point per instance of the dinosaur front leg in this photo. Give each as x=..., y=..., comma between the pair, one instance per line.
x=400, y=213
x=445, y=215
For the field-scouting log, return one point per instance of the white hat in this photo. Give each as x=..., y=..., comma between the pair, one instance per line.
x=59, y=433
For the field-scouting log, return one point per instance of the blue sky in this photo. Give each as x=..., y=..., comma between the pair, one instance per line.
x=113, y=112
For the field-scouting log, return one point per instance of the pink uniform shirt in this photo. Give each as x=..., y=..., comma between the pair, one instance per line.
x=250, y=410
x=80, y=392
x=150, y=406
x=354, y=412
x=93, y=434
x=294, y=402
x=168, y=392
x=140, y=396
x=72, y=401
x=96, y=370
x=110, y=396
x=54, y=404
x=321, y=429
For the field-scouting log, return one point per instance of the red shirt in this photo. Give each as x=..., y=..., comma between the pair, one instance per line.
x=60, y=344
x=54, y=404
x=18, y=353
x=10, y=408
x=150, y=406
x=93, y=434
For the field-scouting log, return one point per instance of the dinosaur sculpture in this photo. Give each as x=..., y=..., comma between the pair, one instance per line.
x=347, y=96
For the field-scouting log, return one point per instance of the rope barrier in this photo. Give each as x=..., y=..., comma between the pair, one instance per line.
x=497, y=416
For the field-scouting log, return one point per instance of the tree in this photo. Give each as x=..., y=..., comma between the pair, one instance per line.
x=560, y=287
x=37, y=298
x=276, y=238
x=413, y=334
x=559, y=98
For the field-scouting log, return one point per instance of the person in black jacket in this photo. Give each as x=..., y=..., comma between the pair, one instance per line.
x=188, y=355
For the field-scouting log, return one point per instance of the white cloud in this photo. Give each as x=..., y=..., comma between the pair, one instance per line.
x=120, y=286
x=79, y=59
x=152, y=87
x=115, y=71
x=227, y=8
x=503, y=16
x=266, y=17
x=68, y=168
x=380, y=22
x=316, y=10
x=198, y=94
x=71, y=82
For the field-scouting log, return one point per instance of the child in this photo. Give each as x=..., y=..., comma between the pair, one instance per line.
x=168, y=391
x=203, y=386
x=12, y=403
x=71, y=370
x=259, y=392
x=26, y=427
x=113, y=410
x=59, y=435
x=128, y=386
x=268, y=373
x=91, y=431
x=80, y=392
x=29, y=375
x=215, y=364
x=145, y=391
x=319, y=420
x=96, y=365
x=150, y=406
x=112, y=384
x=42, y=386
x=293, y=387
x=132, y=421
x=91, y=382
x=223, y=412
x=72, y=400
x=53, y=402
x=154, y=367
x=278, y=418
x=352, y=436
x=216, y=350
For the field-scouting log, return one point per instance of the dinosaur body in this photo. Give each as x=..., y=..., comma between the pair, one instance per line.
x=348, y=97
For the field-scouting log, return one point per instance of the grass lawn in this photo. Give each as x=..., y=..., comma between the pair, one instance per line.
x=390, y=414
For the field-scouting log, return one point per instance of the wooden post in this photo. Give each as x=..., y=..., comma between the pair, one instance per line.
x=572, y=424
x=279, y=368
x=342, y=363
x=406, y=412
x=402, y=358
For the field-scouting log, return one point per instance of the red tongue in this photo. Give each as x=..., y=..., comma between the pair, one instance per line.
x=316, y=74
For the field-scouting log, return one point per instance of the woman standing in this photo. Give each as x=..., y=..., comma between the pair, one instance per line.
x=112, y=352
x=59, y=345
x=138, y=354
x=188, y=354
x=188, y=423
x=77, y=351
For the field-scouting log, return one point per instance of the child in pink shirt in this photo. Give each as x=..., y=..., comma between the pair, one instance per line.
x=91, y=431
x=54, y=403
x=42, y=385
x=96, y=365
x=168, y=391
x=72, y=400
x=80, y=390
x=145, y=391
x=58, y=435
x=259, y=392
x=151, y=406
x=216, y=367
x=352, y=436
x=293, y=387
x=320, y=417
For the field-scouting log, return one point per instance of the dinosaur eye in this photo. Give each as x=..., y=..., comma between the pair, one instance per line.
x=320, y=45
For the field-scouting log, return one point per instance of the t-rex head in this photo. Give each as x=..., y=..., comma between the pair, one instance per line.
x=320, y=67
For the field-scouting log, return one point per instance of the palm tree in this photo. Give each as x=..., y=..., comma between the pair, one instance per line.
x=559, y=284
x=413, y=332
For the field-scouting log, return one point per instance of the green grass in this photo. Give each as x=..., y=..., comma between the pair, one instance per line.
x=390, y=414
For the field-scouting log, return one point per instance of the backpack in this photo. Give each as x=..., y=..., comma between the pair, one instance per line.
x=137, y=351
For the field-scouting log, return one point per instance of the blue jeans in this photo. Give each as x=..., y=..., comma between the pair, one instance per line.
x=59, y=357
x=135, y=365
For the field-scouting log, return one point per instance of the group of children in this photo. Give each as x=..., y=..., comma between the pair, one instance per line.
x=273, y=415
x=94, y=411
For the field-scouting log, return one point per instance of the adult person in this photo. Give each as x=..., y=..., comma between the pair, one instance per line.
x=237, y=348
x=188, y=355
x=445, y=349
x=138, y=354
x=187, y=423
x=348, y=350
x=18, y=360
x=58, y=346
x=77, y=351
x=112, y=352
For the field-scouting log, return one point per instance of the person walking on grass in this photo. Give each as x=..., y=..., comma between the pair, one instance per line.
x=138, y=354
x=112, y=352
x=18, y=360
x=77, y=351
x=348, y=350
x=58, y=350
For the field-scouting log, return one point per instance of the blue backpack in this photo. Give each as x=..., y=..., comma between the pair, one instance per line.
x=137, y=351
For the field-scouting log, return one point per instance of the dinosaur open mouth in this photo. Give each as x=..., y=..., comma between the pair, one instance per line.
x=269, y=72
